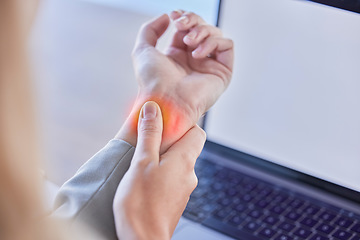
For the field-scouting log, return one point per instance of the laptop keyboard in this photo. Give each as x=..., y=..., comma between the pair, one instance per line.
x=245, y=207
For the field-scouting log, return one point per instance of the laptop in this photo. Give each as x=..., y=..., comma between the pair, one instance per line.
x=282, y=158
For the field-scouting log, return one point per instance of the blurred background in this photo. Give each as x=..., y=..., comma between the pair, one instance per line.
x=81, y=59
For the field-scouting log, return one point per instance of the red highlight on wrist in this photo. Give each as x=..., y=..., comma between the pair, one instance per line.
x=174, y=118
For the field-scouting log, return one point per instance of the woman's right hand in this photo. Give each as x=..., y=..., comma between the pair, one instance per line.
x=154, y=192
x=186, y=80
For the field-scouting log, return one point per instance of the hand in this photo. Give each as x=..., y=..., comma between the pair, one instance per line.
x=155, y=190
x=188, y=79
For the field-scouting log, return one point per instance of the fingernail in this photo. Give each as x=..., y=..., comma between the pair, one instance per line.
x=196, y=52
x=191, y=35
x=149, y=110
x=183, y=20
x=178, y=11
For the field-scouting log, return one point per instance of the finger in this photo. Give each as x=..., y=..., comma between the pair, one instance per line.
x=177, y=41
x=188, y=148
x=176, y=14
x=151, y=31
x=221, y=48
x=150, y=127
x=187, y=21
x=199, y=33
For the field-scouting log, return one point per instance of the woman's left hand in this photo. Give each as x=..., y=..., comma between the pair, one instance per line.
x=155, y=190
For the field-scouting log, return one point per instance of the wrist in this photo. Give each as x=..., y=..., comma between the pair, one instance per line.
x=177, y=120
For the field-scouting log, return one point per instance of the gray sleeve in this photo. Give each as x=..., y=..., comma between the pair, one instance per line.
x=88, y=196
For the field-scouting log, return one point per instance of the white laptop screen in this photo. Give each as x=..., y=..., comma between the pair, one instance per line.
x=295, y=94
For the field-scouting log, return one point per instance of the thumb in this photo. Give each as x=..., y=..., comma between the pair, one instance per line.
x=150, y=128
x=151, y=31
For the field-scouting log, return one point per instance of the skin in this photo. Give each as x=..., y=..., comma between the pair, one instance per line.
x=185, y=82
x=154, y=192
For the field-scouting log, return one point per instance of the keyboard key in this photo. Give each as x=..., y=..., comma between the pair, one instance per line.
x=265, y=192
x=279, y=198
x=247, y=198
x=293, y=215
x=255, y=213
x=222, y=213
x=267, y=233
x=277, y=209
x=194, y=216
x=356, y=228
x=271, y=220
x=283, y=237
x=296, y=203
x=343, y=222
x=217, y=186
x=225, y=202
x=327, y=216
x=222, y=174
x=319, y=237
x=325, y=228
x=197, y=193
x=252, y=226
x=231, y=192
x=301, y=232
x=210, y=196
x=263, y=203
x=309, y=222
x=209, y=208
x=234, y=180
x=311, y=210
x=286, y=226
x=340, y=234
x=240, y=207
x=227, y=229
x=236, y=220
x=204, y=181
x=248, y=185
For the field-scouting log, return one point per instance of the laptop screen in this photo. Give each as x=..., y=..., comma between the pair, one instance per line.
x=295, y=94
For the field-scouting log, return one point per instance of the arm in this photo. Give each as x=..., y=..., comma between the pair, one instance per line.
x=185, y=82
x=154, y=192
x=88, y=196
